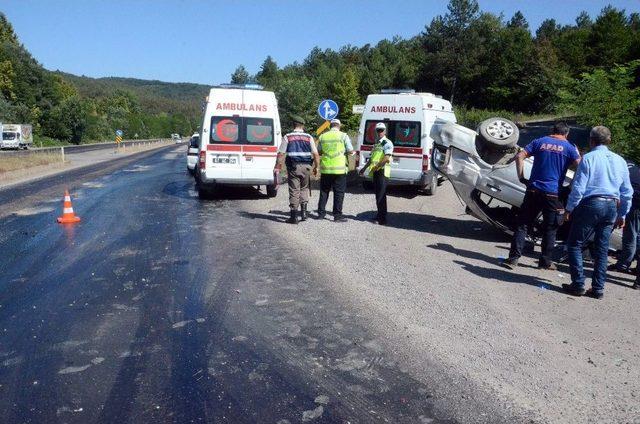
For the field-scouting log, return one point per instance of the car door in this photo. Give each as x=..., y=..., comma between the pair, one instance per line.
x=501, y=182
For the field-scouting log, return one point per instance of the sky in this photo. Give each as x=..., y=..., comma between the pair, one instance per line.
x=203, y=41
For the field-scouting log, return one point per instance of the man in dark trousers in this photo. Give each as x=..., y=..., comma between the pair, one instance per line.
x=301, y=160
x=379, y=165
x=553, y=155
x=600, y=199
x=334, y=147
x=631, y=231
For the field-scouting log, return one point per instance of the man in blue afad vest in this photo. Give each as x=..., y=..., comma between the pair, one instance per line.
x=553, y=155
x=301, y=159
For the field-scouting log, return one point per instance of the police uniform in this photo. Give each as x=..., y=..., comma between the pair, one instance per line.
x=300, y=149
x=384, y=147
x=333, y=147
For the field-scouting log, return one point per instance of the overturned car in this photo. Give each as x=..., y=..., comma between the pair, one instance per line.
x=482, y=170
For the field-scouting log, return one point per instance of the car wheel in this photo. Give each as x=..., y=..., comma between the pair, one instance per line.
x=367, y=185
x=272, y=190
x=432, y=188
x=499, y=132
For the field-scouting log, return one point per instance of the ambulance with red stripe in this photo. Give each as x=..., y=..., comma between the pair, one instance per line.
x=239, y=140
x=410, y=118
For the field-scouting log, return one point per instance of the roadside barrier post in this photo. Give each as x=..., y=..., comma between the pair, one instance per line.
x=62, y=153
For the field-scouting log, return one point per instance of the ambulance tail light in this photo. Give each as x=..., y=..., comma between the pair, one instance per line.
x=202, y=160
x=425, y=163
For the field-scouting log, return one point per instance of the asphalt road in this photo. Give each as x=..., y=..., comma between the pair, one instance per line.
x=159, y=307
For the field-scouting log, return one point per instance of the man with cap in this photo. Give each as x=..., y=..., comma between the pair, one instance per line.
x=301, y=159
x=333, y=146
x=379, y=165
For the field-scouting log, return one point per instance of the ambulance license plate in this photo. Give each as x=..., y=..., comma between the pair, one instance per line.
x=232, y=160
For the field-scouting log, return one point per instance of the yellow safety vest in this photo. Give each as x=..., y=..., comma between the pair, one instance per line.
x=377, y=154
x=333, y=159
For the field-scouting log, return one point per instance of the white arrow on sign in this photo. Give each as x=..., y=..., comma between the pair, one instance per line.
x=328, y=112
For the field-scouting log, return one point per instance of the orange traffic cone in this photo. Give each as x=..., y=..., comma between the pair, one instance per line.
x=68, y=217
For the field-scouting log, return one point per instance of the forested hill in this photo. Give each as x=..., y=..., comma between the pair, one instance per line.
x=65, y=107
x=155, y=96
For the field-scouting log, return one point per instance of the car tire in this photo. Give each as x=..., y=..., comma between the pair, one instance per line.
x=499, y=132
x=432, y=188
x=272, y=190
x=367, y=185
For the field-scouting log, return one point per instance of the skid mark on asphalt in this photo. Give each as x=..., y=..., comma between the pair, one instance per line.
x=93, y=184
x=34, y=211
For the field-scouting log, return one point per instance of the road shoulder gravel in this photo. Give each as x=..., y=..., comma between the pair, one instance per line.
x=508, y=340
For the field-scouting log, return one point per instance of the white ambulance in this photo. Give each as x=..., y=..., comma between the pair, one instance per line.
x=240, y=138
x=410, y=118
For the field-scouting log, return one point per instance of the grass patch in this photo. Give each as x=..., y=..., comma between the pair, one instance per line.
x=16, y=162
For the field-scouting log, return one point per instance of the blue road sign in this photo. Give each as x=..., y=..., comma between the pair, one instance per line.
x=328, y=110
x=119, y=133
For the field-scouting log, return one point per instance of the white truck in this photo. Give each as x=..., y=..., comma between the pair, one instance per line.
x=16, y=136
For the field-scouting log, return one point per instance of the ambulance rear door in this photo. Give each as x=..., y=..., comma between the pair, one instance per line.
x=224, y=150
x=261, y=135
x=401, y=113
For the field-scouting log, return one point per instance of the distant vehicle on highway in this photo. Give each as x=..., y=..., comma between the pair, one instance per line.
x=409, y=118
x=176, y=138
x=482, y=170
x=192, y=153
x=16, y=136
x=240, y=138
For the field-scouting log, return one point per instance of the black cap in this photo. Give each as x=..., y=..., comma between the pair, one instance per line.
x=297, y=119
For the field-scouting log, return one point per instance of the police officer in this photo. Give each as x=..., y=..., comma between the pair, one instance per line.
x=333, y=146
x=379, y=165
x=301, y=160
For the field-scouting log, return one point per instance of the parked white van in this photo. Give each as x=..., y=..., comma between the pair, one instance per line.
x=240, y=138
x=409, y=117
x=192, y=153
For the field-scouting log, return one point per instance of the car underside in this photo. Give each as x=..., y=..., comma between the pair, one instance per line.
x=481, y=168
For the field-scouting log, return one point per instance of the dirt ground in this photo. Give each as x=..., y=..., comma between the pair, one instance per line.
x=431, y=285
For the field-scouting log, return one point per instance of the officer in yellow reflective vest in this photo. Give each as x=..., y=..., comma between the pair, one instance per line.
x=379, y=165
x=333, y=147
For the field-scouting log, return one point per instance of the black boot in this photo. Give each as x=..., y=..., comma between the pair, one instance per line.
x=303, y=212
x=293, y=219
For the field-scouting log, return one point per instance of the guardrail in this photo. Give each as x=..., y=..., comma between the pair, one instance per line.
x=79, y=148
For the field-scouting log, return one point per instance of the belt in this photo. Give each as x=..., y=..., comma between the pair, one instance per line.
x=609, y=198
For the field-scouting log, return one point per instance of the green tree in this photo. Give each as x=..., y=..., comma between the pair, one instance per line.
x=268, y=74
x=66, y=121
x=610, y=38
x=7, y=75
x=549, y=29
x=240, y=75
x=610, y=98
x=297, y=96
x=346, y=95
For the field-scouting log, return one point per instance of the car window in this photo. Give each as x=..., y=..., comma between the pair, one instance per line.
x=194, y=141
x=239, y=130
x=401, y=133
x=406, y=134
x=8, y=136
x=259, y=130
x=578, y=136
x=225, y=129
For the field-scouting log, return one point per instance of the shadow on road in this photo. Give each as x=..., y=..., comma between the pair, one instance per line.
x=188, y=191
x=469, y=229
x=493, y=273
